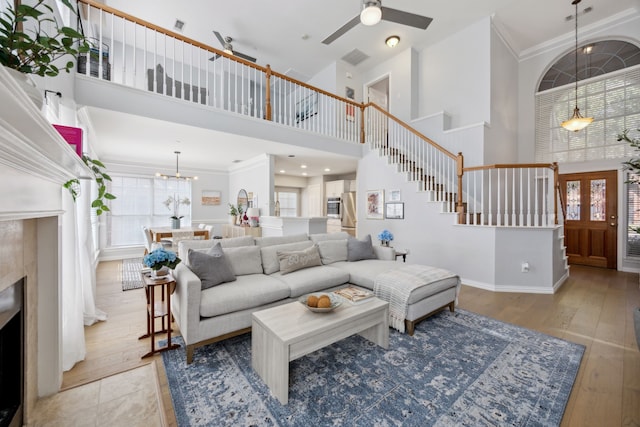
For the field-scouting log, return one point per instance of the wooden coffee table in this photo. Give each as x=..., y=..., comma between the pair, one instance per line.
x=287, y=332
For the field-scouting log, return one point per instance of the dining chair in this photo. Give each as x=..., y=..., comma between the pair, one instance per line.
x=149, y=244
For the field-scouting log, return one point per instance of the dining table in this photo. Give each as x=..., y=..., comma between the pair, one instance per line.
x=160, y=233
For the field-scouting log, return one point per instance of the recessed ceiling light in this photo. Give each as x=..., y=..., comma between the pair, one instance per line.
x=282, y=171
x=392, y=41
x=303, y=166
x=304, y=174
x=327, y=170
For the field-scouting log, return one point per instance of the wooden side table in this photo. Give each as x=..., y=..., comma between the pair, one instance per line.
x=158, y=309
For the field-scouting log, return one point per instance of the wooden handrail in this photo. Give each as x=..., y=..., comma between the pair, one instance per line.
x=510, y=166
x=316, y=89
x=412, y=130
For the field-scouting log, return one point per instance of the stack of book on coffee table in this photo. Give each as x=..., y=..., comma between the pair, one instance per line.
x=354, y=295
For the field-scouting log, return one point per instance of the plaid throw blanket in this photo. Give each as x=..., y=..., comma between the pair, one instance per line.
x=396, y=286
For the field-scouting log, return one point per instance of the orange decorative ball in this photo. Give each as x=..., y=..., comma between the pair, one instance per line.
x=324, y=302
x=312, y=301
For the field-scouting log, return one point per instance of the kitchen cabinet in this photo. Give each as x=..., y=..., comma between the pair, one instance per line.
x=336, y=188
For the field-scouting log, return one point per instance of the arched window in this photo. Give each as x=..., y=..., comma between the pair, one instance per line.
x=610, y=94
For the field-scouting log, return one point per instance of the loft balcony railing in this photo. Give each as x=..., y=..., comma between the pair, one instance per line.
x=138, y=54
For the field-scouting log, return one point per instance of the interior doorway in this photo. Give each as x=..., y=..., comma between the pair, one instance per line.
x=591, y=225
x=378, y=93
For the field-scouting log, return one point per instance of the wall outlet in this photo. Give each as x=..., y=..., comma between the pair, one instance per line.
x=525, y=267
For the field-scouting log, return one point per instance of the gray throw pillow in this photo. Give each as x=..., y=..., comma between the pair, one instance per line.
x=296, y=260
x=212, y=268
x=360, y=249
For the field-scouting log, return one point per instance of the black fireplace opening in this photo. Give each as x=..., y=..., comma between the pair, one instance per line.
x=11, y=355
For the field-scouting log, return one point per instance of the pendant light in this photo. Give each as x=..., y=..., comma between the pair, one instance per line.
x=177, y=174
x=577, y=122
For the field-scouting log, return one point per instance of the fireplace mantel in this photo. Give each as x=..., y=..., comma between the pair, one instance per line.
x=34, y=163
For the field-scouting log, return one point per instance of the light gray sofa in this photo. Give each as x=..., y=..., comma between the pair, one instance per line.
x=222, y=311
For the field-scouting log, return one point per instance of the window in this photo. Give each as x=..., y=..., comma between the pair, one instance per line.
x=288, y=200
x=140, y=201
x=613, y=100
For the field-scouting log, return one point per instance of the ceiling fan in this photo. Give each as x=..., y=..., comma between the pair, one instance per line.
x=373, y=12
x=228, y=48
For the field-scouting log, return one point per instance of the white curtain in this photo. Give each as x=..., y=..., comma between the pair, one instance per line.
x=78, y=276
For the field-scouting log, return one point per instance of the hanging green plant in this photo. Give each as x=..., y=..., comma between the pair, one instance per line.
x=100, y=176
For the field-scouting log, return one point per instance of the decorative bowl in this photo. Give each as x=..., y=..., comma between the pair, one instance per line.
x=336, y=301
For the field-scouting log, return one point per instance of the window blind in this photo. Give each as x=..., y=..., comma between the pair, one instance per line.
x=613, y=100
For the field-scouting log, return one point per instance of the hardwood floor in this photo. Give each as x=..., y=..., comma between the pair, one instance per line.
x=594, y=308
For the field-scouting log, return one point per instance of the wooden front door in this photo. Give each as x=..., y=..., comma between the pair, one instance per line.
x=590, y=231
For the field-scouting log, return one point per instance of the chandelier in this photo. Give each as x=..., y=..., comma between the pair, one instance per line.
x=177, y=174
x=576, y=122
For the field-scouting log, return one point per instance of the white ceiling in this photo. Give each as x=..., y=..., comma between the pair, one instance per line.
x=287, y=34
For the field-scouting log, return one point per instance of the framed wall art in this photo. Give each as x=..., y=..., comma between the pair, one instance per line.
x=211, y=197
x=393, y=196
x=375, y=203
x=72, y=135
x=394, y=210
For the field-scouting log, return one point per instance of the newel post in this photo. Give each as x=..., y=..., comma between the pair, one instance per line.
x=267, y=99
x=459, y=172
x=362, y=135
x=556, y=186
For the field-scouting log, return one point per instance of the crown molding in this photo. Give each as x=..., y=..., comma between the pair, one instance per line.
x=586, y=31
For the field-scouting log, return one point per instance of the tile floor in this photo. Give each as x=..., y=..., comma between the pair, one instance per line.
x=131, y=398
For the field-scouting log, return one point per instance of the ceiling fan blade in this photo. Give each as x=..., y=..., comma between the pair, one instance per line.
x=219, y=37
x=405, y=18
x=340, y=31
x=243, y=56
x=214, y=57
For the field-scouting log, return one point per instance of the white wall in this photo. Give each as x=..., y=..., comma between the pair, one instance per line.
x=501, y=143
x=401, y=70
x=256, y=176
x=455, y=76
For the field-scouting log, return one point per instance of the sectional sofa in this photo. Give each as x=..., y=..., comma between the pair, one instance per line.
x=211, y=304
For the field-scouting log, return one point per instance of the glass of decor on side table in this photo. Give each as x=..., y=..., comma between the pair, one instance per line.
x=385, y=237
x=160, y=261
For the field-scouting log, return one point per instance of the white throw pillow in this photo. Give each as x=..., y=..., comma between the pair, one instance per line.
x=270, y=261
x=244, y=260
x=291, y=261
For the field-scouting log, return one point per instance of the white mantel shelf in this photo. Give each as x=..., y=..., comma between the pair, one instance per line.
x=29, y=143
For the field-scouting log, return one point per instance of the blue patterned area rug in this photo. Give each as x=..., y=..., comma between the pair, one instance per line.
x=458, y=369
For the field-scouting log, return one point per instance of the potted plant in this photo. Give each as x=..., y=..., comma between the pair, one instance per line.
x=385, y=236
x=160, y=261
x=174, y=202
x=32, y=40
x=233, y=213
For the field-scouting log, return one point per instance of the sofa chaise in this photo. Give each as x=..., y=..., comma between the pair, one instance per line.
x=263, y=276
